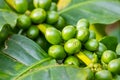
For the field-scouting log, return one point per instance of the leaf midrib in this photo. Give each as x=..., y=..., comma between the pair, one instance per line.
x=46, y=67
x=29, y=68
x=78, y=5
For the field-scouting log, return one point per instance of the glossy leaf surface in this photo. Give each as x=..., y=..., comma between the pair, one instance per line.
x=96, y=11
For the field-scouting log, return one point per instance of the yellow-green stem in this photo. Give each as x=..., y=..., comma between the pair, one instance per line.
x=84, y=58
x=43, y=27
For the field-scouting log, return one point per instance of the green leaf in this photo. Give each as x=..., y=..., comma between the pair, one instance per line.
x=21, y=55
x=76, y=1
x=23, y=59
x=118, y=49
x=24, y=50
x=10, y=68
x=7, y=17
x=96, y=11
x=3, y=5
x=58, y=72
x=110, y=42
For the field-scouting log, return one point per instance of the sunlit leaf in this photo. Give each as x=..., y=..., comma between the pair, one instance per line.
x=96, y=11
